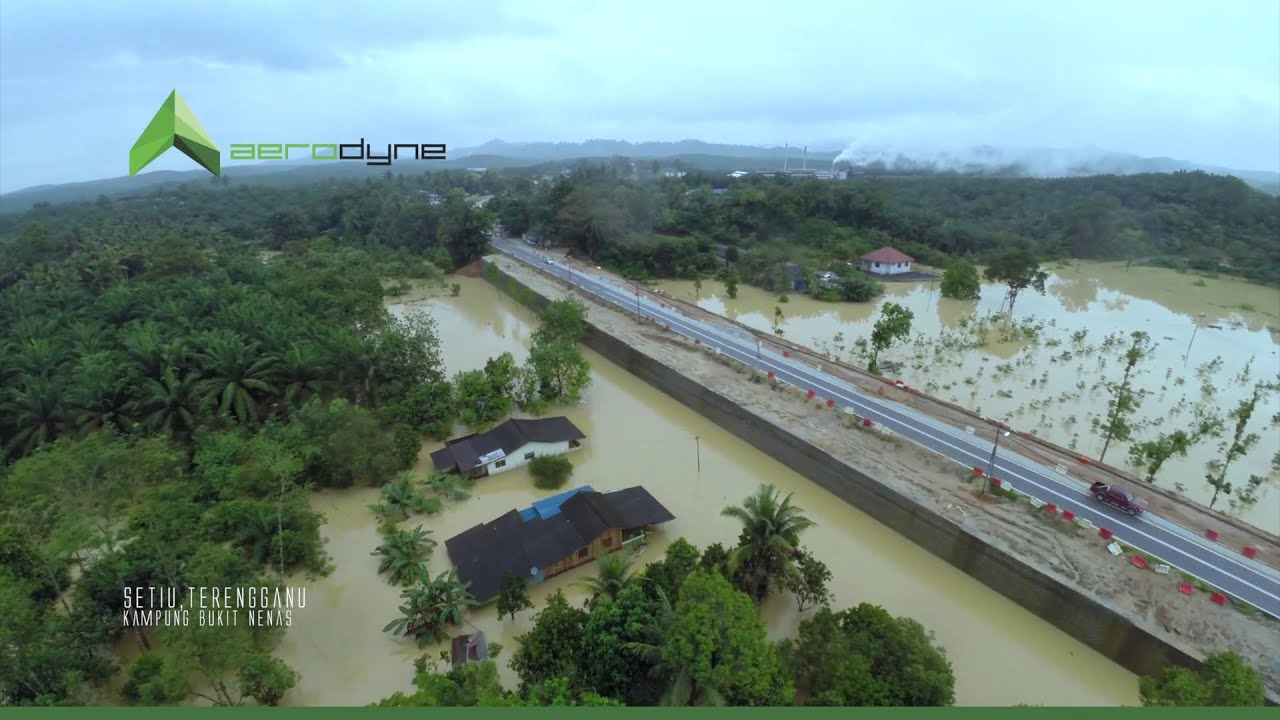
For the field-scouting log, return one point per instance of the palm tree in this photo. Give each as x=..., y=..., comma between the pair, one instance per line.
x=404, y=554
x=236, y=375
x=170, y=403
x=447, y=484
x=613, y=574
x=37, y=414
x=300, y=375
x=101, y=393
x=431, y=606
x=681, y=689
x=769, y=541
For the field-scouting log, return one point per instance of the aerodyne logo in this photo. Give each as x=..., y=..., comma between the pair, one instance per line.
x=175, y=126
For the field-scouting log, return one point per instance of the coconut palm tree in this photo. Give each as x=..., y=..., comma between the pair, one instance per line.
x=770, y=538
x=613, y=573
x=404, y=554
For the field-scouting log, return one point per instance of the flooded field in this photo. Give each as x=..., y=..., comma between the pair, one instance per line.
x=1045, y=372
x=637, y=436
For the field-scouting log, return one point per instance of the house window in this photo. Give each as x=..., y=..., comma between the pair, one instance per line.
x=500, y=463
x=574, y=444
x=528, y=456
x=607, y=542
x=583, y=552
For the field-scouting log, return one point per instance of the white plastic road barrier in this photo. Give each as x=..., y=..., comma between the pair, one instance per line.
x=1060, y=469
x=1115, y=549
x=1162, y=569
x=1008, y=486
x=1084, y=523
x=1037, y=503
x=968, y=429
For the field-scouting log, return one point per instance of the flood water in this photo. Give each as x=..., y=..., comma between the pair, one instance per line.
x=1045, y=381
x=638, y=436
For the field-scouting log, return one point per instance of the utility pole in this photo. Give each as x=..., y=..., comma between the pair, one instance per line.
x=1193, y=336
x=637, y=299
x=757, y=347
x=698, y=443
x=991, y=464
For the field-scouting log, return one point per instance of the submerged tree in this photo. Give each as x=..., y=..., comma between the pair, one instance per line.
x=1241, y=443
x=514, y=596
x=960, y=281
x=1223, y=681
x=1124, y=399
x=403, y=554
x=1152, y=454
x=430, y=607
x=767, y=547
x=893, y=325
x=809, y=582
x=1017, y=270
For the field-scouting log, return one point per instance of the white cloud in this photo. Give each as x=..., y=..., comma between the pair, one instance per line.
x=1151, y=78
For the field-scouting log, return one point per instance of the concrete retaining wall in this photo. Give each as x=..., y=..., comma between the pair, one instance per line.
x=1063, y=606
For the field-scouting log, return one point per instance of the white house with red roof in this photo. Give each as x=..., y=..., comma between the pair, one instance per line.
x=886, y=261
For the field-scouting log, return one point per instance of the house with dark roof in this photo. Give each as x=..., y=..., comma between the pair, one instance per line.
x=552, y=536
x=886, y=261
x=511, y=444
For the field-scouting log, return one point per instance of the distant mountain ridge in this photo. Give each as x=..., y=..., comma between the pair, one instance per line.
x=713, y=157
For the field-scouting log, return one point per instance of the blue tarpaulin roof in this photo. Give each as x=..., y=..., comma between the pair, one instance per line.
x=550, y=507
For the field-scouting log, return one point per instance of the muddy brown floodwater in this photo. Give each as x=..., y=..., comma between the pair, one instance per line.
x=1047, y=381
x=1002, y=654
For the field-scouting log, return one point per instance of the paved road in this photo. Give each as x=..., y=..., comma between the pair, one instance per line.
x=1238, y=576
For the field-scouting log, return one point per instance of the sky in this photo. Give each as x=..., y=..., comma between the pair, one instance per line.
x=1195, y=81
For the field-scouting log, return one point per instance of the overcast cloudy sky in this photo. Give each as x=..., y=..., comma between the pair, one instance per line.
x=1198, y=81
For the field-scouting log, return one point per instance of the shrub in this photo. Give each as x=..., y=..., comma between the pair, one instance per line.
x=550, y=471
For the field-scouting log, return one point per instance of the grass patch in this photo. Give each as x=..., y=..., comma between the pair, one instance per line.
x=1003, y=492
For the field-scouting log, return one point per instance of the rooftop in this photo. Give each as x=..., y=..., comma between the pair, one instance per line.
x=888, y=255
x=522, y=543
x=470, y=451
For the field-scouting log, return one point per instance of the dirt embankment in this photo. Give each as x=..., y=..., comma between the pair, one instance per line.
x=1073, y=555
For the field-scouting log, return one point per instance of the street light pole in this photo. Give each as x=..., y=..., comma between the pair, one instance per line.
x=757, y=347
x=991, y=464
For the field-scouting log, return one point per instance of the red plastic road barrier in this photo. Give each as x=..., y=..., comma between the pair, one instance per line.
x=996, y=482
x=880, y=390
x=1105, y=533
x=1219, y=598
x=1185, y=588
x=831, y=403
x=668, y=327
x=1027, y=435
x=696, y=341
x=1068, y=515
x=866, y=422
x=812, y=394
x=1138, y=561
x=786, y=353
x=1250, y=552
x=1211, y=534
x=978, y=472
x=1051, y=509
x=770, y=374
x=1085, y=461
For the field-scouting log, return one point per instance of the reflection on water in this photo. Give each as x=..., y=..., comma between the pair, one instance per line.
x=638, y=436
x=1058, y=396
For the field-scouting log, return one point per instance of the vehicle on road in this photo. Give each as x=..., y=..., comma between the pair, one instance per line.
x=1117, y=497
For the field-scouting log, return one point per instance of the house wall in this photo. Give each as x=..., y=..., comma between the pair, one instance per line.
x=886, y=268
x=1061, y=604
x=608, y=542
x=517, y=458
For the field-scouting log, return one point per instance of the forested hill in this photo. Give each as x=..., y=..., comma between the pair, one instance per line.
x=633, y=218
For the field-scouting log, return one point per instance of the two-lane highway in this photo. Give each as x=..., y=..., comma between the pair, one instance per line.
x=1239, y=577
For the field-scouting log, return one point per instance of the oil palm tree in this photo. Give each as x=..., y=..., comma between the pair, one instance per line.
x=770, y=538
x=236, y=375
x=681, y=689
x=169, y=404
x=37, y=414
x=300, y=375
x=101, y=393
x=404, y=554
x=613, y=574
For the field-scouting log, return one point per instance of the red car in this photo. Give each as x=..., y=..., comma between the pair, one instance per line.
x=1117, y=497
